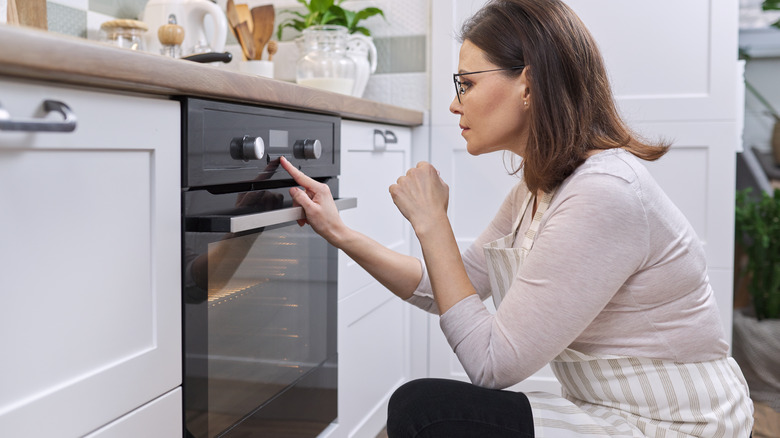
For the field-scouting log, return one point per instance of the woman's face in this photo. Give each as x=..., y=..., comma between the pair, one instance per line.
x=492, y=114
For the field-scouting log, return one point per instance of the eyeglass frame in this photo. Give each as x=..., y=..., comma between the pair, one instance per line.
x=458, y=83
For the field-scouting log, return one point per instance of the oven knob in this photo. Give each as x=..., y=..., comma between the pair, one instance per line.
x=307, y=149
x=247, y=148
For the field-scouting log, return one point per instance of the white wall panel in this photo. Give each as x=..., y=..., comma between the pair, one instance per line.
x=668, y=60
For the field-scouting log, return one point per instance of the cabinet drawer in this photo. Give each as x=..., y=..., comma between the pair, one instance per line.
x=160, y=418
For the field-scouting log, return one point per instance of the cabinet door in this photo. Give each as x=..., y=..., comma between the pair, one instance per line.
x=373, y=323
x=369, y=165
x=89, y=266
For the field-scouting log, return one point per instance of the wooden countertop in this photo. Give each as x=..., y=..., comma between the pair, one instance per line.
x=34, y=54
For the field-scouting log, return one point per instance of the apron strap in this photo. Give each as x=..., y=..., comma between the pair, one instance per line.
x=530, y=234
x=520, y=216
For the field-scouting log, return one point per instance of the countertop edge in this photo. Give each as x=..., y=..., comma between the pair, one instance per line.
x=34, y=54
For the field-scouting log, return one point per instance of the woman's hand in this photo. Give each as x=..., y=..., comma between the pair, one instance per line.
x=317, y=201
x=421, y=196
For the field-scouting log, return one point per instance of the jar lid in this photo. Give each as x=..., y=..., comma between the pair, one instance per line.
x=124, y=24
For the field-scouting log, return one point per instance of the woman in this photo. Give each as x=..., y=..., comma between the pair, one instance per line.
x=592, y=268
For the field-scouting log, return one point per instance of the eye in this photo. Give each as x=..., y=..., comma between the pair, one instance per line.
x=464, y=86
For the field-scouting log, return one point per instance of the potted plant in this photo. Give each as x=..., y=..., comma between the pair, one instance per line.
x=757, y=224
x=756, y=344
x=360, y=46
x=319, y=12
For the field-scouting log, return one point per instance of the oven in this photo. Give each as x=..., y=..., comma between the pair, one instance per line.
x=259, y=292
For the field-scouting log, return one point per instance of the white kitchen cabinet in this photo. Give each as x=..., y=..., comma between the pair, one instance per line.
x=90, y=325
x=673, y=68
x=373, y=334
x=160, y=418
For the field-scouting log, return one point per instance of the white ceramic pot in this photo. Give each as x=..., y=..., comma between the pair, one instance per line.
x=285, y=60
x=363, y=51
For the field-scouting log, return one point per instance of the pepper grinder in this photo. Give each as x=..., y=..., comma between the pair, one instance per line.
x=171, y=36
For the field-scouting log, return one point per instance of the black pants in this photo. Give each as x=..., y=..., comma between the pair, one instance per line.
x=428, y=408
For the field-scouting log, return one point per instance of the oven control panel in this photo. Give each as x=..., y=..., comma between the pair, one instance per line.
x=229, y=143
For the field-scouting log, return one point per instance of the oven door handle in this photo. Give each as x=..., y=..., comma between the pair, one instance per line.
x=250, y=222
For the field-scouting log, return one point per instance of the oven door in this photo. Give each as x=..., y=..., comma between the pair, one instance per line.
x=259, y=297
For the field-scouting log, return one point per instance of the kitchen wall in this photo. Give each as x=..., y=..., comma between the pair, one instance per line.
x=402, y=40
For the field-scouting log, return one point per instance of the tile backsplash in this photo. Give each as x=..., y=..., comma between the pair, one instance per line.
x=402, y=39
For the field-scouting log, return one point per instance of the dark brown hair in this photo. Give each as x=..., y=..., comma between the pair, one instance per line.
x=572, y=108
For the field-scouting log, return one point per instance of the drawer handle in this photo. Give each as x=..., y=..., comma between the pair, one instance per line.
x=382, y=139
x=68, y=124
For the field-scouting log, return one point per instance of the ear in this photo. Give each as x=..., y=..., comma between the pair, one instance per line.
x=526, y=82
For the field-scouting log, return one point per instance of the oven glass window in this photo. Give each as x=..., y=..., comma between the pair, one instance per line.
x=257, y=319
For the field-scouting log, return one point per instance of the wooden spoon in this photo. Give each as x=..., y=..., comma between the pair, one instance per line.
x=245, y=15
x=232, y=14
x=263, y=17
x=245, y=39
x=272, y=49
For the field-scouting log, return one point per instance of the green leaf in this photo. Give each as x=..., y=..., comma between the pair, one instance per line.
x=320, y=5
x=335, y=15
x=362, y=30
x=771, y=5
x=370, y=12
x=349, y=18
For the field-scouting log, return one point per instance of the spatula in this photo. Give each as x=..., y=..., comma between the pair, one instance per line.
x=245, y=15
x=263, y=17
x=245, y=39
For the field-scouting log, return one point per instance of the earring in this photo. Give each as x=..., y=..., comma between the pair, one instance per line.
x=525, y=103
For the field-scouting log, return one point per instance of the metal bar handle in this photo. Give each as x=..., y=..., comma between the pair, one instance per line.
x=68, y=124
x=276, y=217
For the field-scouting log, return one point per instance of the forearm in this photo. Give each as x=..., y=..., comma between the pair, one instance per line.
x=449, y=280
x=397, y=272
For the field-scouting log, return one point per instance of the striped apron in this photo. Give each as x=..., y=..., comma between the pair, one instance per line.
x=619, y=396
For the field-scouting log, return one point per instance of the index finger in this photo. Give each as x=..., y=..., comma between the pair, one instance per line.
x=299, y=177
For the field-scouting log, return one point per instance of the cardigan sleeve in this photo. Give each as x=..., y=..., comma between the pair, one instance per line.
x=474, y=256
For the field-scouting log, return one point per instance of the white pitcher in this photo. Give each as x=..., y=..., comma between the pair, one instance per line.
x=191, y=15
x=363, y=51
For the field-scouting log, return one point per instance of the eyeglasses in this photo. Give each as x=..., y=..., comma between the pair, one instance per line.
x=459, y=90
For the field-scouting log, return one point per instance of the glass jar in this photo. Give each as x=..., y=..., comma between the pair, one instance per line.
x=124, y=33
x=324, y=63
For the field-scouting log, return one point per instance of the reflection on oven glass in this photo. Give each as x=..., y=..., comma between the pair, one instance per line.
x=266, y=327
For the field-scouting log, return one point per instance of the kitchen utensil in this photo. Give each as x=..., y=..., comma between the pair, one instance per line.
x=263, y=18
x=273, y=46
x=244, y=14
x=234, y=20
x=191, y=15
x=232, y=14
x=12, y=13
x=245, y=39
x=210, y=57
x=32, y=13
x=127, y=34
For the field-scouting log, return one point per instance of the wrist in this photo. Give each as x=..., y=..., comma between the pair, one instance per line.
x=430, y=224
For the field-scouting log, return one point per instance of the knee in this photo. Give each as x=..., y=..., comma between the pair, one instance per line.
x=405, y=402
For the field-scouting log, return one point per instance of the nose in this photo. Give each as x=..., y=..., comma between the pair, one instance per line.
x=455, y=106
